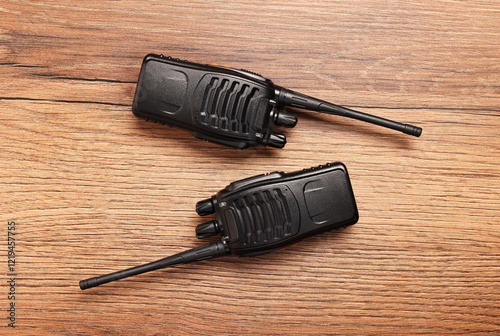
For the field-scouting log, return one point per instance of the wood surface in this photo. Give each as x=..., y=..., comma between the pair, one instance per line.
x=93, y=189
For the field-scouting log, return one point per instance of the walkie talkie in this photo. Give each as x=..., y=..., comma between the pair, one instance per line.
x=263, y=213
x=228, y=106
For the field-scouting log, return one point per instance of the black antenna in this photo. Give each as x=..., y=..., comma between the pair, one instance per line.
x=295, y=99
x=214, y=249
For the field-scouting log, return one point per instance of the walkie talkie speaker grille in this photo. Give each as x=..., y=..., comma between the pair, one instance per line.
x=225, y=103
x=262, y=216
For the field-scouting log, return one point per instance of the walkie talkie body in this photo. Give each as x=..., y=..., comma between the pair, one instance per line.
x=264, y=213
x=220, y=104
x=228, y=106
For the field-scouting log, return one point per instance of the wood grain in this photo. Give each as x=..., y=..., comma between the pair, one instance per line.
x=93, y=189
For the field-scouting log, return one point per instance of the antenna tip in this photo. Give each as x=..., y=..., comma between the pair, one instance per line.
x=89, y=283
x=412, y=130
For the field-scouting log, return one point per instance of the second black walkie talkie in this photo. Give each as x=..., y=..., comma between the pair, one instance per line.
x=228, y=106
x=264, y=213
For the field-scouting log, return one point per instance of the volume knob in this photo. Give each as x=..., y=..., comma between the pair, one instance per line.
x=205, y=207
x=207, y=229
x=285, y=119
x=276, y=140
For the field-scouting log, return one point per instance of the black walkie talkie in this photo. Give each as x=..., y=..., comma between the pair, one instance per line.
x=264, y=213
x=228, y=106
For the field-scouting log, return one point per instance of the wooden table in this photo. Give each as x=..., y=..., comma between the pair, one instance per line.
x=93, y=189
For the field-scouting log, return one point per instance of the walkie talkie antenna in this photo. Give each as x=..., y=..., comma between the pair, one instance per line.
x=214, y=249
x=286, y=97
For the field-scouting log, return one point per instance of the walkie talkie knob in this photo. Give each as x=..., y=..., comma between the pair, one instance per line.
x=205, y=207
x=285, y=119
x=276, y=140
x=207, y=229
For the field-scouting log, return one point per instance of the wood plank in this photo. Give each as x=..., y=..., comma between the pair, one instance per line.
x=93, y=189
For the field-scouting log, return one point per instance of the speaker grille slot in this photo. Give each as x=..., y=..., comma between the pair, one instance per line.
x=263, y=216
x=225, y=104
